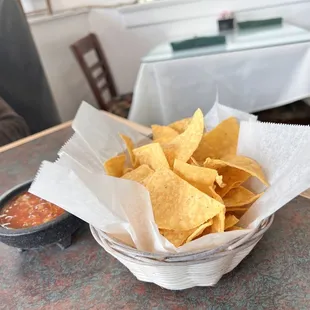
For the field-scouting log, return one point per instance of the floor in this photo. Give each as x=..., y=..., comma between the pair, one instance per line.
x=295, y=113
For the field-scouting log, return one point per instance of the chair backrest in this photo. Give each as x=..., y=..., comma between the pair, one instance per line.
x=103, y=81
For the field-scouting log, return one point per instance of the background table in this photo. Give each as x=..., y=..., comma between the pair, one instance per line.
x=254, y=71
x=274, y=276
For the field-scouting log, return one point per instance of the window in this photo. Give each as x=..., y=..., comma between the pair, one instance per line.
x=31, y=7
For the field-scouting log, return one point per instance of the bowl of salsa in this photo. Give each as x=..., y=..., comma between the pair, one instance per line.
x=28, y=221
x=27, y=210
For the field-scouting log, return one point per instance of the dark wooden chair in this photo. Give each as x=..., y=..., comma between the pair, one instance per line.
x=101, y=83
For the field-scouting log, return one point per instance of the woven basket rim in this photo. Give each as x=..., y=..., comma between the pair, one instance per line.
x=154, y=262
x=174, y=257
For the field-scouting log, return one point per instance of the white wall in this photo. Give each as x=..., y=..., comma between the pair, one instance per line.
x=66, y=4
x=31, y=5
x=68, y=84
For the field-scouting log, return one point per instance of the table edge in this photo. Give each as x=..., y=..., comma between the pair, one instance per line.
x=35, y=136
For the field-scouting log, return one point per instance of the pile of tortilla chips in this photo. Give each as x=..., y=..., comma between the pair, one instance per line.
x=195, y=179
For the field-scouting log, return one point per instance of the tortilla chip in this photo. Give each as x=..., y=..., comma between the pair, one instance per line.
x=218, y=224
x=177, y=238
x=240, y=196
x=115, y=166
x=200, y=177
x=212, y=193
x=243, y=163
x=214, y=163
x=139, y=174
x=219, y=181
x=126, y=170
x=234, y=228
x=180, y=237
x=233, y=178
x=130, y=147
x=184, y=145
x=247, y=164
x=181, y=125
x=195, y=175
x=192, y=161
x=163, y=134
x=207, y=231
x=177, y=205
x=230, y=221
x=198, y=231
x=151, y=155
x=237, y=209
x=219, y=142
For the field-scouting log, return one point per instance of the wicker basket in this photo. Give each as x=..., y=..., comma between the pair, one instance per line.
x=183, y=270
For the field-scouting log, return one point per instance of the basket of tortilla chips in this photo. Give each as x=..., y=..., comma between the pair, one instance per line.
x=196, y=182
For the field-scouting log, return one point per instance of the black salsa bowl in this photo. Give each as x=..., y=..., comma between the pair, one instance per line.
x=58, y=230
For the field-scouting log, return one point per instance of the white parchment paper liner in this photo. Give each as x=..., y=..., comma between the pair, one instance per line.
x=77, y=182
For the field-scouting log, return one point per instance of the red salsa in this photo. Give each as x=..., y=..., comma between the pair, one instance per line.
x=28, y=210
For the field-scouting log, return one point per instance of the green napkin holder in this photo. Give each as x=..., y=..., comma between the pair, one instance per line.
x=252, y=24
x=198, y=42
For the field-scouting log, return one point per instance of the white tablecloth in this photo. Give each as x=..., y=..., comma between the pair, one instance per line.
x=250, y=80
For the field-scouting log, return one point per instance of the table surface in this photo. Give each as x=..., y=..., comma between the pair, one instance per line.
x=239, y=40
x=274, y=276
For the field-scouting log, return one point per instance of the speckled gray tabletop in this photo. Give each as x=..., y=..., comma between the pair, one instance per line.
x=276, y=275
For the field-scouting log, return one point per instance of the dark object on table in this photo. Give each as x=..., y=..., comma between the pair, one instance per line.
x=260, y=23
x=226, y=24
x=297, y=113
x=23, y=84
x=57, y=231
x=12, y=126
x=103, y=81
x=198, y=42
